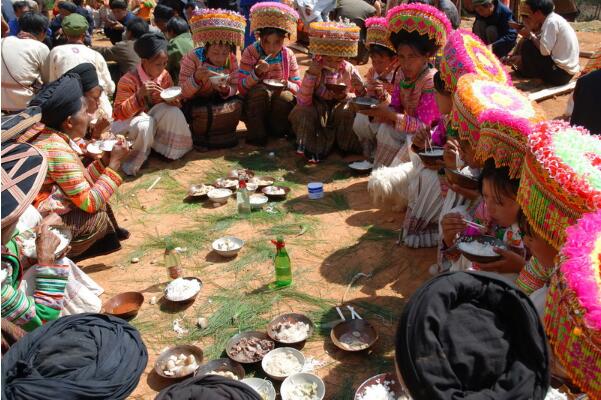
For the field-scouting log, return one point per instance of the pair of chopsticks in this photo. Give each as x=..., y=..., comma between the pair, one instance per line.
x=473, y=224
x=354, y=314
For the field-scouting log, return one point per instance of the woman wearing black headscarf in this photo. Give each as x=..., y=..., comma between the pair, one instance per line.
x=209, y=387
x=79, y=194
x=141, y=113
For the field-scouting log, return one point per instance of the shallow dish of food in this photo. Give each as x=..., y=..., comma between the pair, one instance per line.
x=291, y=328
x=226, y=183
x=263, y=387
x=93, y=148
x=431, y=154
x=178, y=362
x=364, y=103
x=228, y=246
x=262, y=181
x=219, y=196
x=219, y=80
x=274, y=84
x=282, y=362
x=257, y=201
x=382, y=386
x=303, y=386
x=171, y=93
x=183, y=290
x=249, y=347
x=361, y=166
x=337, y=88
x=462, y=178
x=124, y=305
x=354, y=335
x=200, y=190
x=276, y=192
x=223, y=367
x=28, y=238
x=480, y=249
x=235, y=173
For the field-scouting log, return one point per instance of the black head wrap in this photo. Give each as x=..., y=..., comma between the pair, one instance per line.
x=59, y=100
x=83, y=356
x=209, y=387
x=150, y=44
x=87, y=75
x=68, y=6
x=472, y=336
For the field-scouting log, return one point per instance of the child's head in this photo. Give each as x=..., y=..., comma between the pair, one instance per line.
x=119, y=9
x=272, y=39
x=136, y=27
x=162, y=14
x=444, y=98
x=544, y=252
x=218, y=53
x=331, y=62
x=414, y=51
x=499, y=193
x=381, y=57
x=175, y=27
x=20, y=8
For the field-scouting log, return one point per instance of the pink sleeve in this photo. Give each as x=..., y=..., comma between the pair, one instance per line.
x=395, y=101
x=426, y=113
x=304, y=97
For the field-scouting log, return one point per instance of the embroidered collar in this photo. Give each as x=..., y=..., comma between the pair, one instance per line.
x=410, y=85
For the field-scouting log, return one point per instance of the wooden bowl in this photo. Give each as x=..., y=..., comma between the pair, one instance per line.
x=337, y=88
x=364, y=103
x=199, y=191
x=222, y=365
x=220, y=184
x=457, y=178
x=186, y=349
x=431, y=155
x=282, y=350
x=266, y=179
x=189, y=299
x=236, y=338
x=292, y=318
x=233, y=174
x=364, y=329
x=265, y=191
x=395, y=385
x=124, y=305
x=480, y=259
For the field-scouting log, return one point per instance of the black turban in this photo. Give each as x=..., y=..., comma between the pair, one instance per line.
x=472, y=336
x=59, y=100
x=150, y=44
x=83, y=356
x=68, y=6
x=87, y=75
x=208, y=387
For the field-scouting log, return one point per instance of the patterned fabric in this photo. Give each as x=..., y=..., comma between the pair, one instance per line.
x=391, y=76
x=127, y=104
x=196, y=59
x=87, y=229
x=377, y=33
x=465, y=53
x=421, y=18
x=266, y=113
x=561, y=179
x=282, y=66
x=476, y=94
x=593, y=64
x=346, y=73
x=336, y=39
x=210, y=26
x=533, y=276
x=503, y=138
x=214, y=122
x=67, y=174
x=274, y=15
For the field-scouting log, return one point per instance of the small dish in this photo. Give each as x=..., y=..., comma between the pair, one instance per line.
x=390, y=381
x=302, y=379
x=201, y=190
x=290, y=318
x=337, y=88
x=361, y=166
x=487, y=242
x=185, y=349
x=364, y=103
x=226, y=183
x=228, y=246
x=219, y=80
x=93, y=148
x=356, y=330
x=230, y=347
x=186, y=299
x=286, y=352
x=274, y=84
x=459, y=179
x=262, y=181
x=222, y=365
x=276, y=192
x=235, y=173
x=257, y=201
x=219, y=196
x=107, y=145
x=263, y=387
x=124, y=305
x=171, y=93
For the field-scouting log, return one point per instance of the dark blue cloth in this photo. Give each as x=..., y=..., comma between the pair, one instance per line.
x=507, y=35
x=15, y=28
x=587, y=97
x=116, y=35
x=8, y=12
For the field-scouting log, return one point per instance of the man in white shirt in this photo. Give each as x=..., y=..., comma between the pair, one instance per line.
x=63, y=58
x=550, y=50
x=24, y=62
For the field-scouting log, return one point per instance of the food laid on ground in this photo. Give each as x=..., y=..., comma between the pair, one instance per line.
x=291, y=332
x=301, y=391
x=251, y=349
x=261, y=181
x=226, y=183
x=354, y=341
x=181, y=289
x=274, y=191
x=219, y=195
x=200, y=190
x=381, y=391
x=227, y=244
x=263, y=387
x=361, y=165
x=257, y=200
x=283, y=362
x=478, y=248
x=28, y=239
x=225, y=374
x=179, y=365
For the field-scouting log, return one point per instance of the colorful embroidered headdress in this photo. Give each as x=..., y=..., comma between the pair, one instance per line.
x=475, y=94
x=561, y=178
x=274, y=15
x=377, y=33
x=336, y=38
x=504, y=138
x=421, y=18
x=214, y=26
x=465, y=53
x=573, y=309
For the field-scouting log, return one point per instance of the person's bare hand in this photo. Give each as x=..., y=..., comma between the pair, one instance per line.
x=261, y=68
x=315, y=68
x=382, y=112
x=525, y=32
x=378, y=7
x=46, y=244
x=452, y=226
x=451, y=153
x=201, y=75
x=99, y=127
x=422, y=138
x=118, y=154
x=510, y=263
x=52, y=219
x=152, y=87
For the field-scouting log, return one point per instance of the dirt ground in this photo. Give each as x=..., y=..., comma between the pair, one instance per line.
x=329, y=241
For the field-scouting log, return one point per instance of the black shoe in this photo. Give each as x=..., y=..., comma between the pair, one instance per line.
x=122, y=233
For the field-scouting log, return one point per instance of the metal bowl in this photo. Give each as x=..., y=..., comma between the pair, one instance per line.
x=234, y=174
x=235, y=339
x=189, y=299
x=186, y=349
x=431, y=155
x=262, y=387
x=292, y=318
x=257, y=201
x=171, y=93
x=220, y=184
x=364, y=103
x=367, y=333
x=228, y=253
x=395, y=385
x=199, y=191
x=256, y=180
x=222, y=365
x=217, y=197
x=457, y=178
x=302, y=378
x=337, y=88
x=480, y=259
x=282, y=350
x=274, y=84
x=124, y=305
x=265, y=191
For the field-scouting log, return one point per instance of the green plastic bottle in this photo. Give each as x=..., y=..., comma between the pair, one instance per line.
x=282, y=265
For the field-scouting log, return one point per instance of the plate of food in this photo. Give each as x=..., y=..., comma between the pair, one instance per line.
x=282, y=362
x=223, y=367
x=257, y=201
x=382, y=386
x=463, y=178
x=337, y=88
x=219, y=79
x=274, y=84
x=182, y=290
x=276, y=192
x=354, y=335
x=228, y=246
x=249, y=347
x=291, y=328
x=93, y=148
x=226, y=183
x=480, y=249
x=28, y=239
x=200, y=190
x=303, y=386
x=431, y=155
x=178, y=362
x=262, y=181
x=171, y=93
x=361, y=166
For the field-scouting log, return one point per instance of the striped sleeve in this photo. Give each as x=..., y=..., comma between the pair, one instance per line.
x=294, y=80
x=533, y=276
x=187, y=81
x=246, y=76
x=370, y=77
x=126, y=104
x=305, y=95
x=233, y=78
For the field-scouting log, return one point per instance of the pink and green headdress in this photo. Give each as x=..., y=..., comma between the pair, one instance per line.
x=215, y=26
x=573, y=309
x=465, y=53
x=421, y=18
x=377, y=33
x=270, y=14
